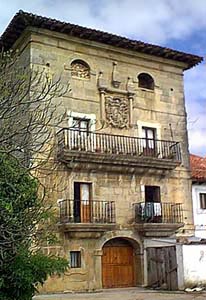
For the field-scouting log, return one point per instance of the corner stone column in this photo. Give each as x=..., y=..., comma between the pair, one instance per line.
x=98, y=268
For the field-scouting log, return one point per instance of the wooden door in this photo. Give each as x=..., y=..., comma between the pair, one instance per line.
x=149, y=144
x=162, y=267
x=117, y=266
x=82, y=202
x=85, y=203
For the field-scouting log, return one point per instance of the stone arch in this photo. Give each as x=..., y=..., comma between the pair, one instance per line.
x=145, y=81
x=124, y=234
x=80, y=69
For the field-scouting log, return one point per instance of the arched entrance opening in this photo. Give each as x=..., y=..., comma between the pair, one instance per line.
x=118, y=263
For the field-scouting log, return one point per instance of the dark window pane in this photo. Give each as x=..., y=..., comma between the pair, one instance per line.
x=75, y=259
x=146, y=81
x=203, y=200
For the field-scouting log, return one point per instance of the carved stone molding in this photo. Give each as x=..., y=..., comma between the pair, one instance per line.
x=130, y=85
x=80, y=69
x=115, y=76
x=117, y=111
x=116, y=106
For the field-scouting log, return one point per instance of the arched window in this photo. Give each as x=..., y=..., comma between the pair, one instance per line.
x=80, y=68
x=146, y=81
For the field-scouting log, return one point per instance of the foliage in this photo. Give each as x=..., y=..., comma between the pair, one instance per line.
x=21, y=267
x=28, y=117
x=20, y=278
x=20, y=212
x=20, y=207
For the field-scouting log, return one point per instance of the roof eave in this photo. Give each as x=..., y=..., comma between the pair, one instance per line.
x=23, y=19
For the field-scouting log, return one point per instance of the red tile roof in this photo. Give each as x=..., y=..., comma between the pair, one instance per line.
x=23, y=19
x=198, y=167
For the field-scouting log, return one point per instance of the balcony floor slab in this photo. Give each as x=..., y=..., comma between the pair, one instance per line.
x=157, y=229
x=85, y=230
x=77, y=160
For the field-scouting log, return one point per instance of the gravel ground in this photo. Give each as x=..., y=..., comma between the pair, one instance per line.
x=125, y=294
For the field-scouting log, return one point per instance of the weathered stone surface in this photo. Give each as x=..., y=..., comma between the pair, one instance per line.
x=162, y=108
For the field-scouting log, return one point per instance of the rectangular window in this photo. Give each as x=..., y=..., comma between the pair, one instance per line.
x=203, y=200
x=75, y=259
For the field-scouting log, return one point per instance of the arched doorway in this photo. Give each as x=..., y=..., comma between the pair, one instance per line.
x=118, y=264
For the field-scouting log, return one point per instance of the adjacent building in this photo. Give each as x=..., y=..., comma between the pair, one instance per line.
x=198, y=166
x=123, y=174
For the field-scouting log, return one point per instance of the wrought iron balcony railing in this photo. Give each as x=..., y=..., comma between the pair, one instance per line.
x=87, y=211
x=79, y=140
x=156, y=212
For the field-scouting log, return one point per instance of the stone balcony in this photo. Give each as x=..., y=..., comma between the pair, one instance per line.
x=86, y=218
x=155, y=219
x=118, y=153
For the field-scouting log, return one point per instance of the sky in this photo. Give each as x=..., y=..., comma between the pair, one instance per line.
x=177, y=24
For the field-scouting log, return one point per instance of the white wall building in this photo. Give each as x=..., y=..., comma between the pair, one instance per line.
x=194, y=269
x=198, y=167
x=199, y=209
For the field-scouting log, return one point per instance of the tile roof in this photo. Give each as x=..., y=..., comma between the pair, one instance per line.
x=24, y=19
x=198, y=167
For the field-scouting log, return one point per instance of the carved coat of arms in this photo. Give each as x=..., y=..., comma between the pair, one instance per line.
x=117, y=111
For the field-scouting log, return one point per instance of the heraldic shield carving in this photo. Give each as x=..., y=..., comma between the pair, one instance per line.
x=117, y=111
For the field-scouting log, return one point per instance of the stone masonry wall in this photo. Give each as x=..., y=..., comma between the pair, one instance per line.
x=163, y=108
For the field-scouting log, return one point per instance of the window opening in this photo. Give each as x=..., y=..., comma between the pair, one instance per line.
x=81, y=124
x=75, y=259
x=203, y=200
x=153, y=208
x=152, y=193
x=146, y=81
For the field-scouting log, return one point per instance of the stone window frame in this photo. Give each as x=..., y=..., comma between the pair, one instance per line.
x=84, y=116
x=82, y=268
x=90, y=118
x=156, y=126
x=141, y=125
